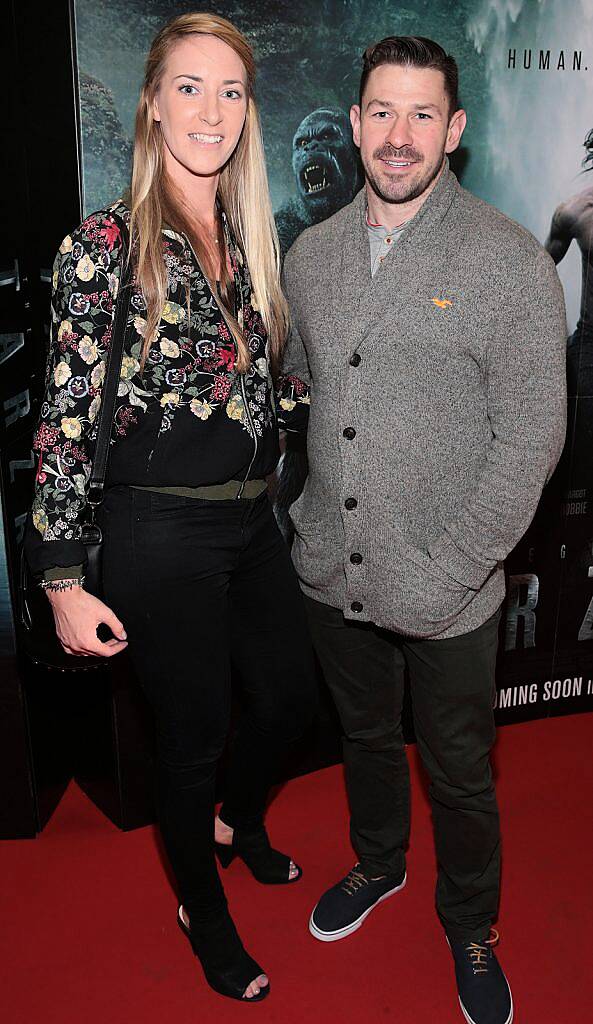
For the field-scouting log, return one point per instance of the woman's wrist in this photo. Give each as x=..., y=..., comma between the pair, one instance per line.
x=62, y=585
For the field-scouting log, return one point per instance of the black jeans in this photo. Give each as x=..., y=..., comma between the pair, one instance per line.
x=452, y=689
x=200, y=585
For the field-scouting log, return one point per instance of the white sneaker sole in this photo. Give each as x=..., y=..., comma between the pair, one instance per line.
x=470, y=1020
x=341, y=933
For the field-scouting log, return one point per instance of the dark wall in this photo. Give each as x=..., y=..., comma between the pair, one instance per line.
x=39, y=201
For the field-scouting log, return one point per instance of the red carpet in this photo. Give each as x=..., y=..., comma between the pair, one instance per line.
x=88, y=933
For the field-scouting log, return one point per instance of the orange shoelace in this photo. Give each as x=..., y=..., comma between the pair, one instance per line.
x=479, y=951
x=354, y=882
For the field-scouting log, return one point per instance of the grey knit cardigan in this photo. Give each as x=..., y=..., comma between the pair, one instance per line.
x=428, y=454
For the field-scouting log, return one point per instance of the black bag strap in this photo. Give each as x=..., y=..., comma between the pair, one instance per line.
x=112, y=375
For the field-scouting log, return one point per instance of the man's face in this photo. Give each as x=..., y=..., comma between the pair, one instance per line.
x=404, y=129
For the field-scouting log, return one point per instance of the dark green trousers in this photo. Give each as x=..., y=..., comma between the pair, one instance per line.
x=452, y=689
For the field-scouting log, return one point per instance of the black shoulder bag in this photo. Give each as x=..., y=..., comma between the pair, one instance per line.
x=38, y=631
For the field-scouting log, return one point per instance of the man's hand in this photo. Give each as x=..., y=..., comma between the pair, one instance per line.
x=77, y=615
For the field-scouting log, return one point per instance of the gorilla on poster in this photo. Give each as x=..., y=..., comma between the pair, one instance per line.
x=326, y=172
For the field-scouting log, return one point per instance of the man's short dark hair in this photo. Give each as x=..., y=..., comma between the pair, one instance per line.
x=412, y=52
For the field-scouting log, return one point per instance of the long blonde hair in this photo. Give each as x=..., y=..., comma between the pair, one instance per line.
x=243, y=193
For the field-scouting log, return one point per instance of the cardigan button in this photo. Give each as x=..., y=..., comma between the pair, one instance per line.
x=356, y=558
x=350, y=504
x=355, y=359
x=349, y=433
x=356, y=606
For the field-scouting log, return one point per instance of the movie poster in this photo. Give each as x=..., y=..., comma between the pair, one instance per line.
x=526, y=71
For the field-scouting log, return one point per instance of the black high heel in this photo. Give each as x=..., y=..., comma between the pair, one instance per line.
x=267, y=865
x=225, y=853
x=227, y=967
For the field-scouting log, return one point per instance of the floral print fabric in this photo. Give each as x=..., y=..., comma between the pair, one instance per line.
x=222, y=422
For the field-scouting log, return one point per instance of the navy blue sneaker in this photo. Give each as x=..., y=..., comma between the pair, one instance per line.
x=344, y=907
x=484, y=992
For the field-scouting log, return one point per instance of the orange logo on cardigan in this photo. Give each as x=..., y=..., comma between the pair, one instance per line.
x=442, y=303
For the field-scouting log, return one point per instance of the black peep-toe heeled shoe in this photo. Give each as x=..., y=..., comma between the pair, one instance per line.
x=227, y=967
x=267, y=865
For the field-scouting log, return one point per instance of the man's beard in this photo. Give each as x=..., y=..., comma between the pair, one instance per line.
x=399, y=190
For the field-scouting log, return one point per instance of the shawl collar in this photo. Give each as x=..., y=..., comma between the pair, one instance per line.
x=363, y=297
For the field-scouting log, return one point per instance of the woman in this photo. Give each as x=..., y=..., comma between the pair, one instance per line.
x=196, y=575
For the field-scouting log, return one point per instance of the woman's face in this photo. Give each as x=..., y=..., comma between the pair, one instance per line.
x=201, y=104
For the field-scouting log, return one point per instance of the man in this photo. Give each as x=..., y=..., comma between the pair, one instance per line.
x=429, y=335
x=573, y=220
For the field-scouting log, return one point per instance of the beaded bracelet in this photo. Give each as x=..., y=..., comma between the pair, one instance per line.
x=57, y=586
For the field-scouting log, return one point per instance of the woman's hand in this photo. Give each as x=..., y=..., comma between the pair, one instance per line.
x=77, y=615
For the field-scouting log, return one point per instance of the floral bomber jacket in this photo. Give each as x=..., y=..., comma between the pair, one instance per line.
x=189, y=419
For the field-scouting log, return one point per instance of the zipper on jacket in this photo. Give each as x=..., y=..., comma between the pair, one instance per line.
x=252, y=425
x=242, y=375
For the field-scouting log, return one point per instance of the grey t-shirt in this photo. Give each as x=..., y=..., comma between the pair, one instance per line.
x=381, y=240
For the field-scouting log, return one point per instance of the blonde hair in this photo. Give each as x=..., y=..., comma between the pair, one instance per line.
x=243, y=193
